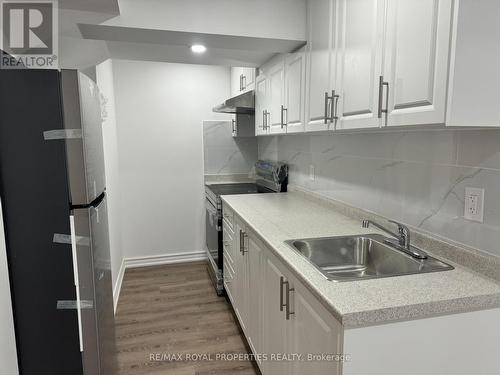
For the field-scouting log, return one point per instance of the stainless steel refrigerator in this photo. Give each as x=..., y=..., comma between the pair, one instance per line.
x=53, y=190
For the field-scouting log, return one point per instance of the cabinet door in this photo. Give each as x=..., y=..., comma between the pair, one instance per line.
x=255, y=288
x=416, y=60
x=319, y=55
x=248, y=79
x=242, y=80
x=261, y=105
x=313, y=331
x=360, y=62
x=276, y=96
x=240, y=279
x=295, y=78
x=235, y=81
x=275, y=325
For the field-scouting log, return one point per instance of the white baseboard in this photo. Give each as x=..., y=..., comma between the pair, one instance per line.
x=153, y=260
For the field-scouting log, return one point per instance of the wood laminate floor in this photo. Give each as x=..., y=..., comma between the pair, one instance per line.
x=173, y=309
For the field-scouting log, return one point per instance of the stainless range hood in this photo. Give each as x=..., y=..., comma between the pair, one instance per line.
x=241, y=104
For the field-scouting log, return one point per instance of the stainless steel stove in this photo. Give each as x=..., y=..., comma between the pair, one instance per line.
x=272, y=177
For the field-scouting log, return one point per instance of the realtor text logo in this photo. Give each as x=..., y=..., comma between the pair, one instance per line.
x=29, y=34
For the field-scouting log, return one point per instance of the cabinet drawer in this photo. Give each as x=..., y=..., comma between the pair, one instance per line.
x=228, y=228
x=228, y=216
x=229, y=278
x=227, y=242
x=228, y=250
x=228, y=267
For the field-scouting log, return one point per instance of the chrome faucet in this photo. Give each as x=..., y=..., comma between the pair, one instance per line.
x=403, y=238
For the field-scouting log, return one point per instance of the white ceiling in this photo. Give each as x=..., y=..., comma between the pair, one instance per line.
x=92, y=31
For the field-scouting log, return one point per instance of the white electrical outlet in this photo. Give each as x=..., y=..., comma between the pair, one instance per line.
x=312, y=175
x=474, y=204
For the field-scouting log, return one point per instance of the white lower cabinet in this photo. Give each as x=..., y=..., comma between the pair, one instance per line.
x=254, y=256
x=315, y=335
x=280, y=318
x=298, y=326
x=240, y=279
x=246, y=291
x=275, y=327
x=228, y=251
x=291, y=332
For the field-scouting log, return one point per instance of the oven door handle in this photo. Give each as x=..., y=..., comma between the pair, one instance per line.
x=213, y=215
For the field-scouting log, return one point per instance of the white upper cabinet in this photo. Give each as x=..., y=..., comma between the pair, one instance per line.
x=416, y=61
x=279, y=95
x=359, y=63
x=320, y=55
x=382, y=63
x=242, y=80
x=261, y=105
x=295, y=80
x=276, y=78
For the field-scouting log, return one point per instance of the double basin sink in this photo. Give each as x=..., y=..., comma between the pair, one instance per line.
x=369, y=256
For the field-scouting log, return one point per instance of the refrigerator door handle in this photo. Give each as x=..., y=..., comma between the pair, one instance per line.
x=51, y=135
x=77, y=282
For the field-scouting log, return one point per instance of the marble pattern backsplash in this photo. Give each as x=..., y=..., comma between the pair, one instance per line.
x=416, y=177
x=225, y=155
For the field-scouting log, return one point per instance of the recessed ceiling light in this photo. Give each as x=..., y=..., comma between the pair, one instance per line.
x=198, y=48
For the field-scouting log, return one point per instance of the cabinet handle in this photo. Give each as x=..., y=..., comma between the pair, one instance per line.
x=243, y=235
x=241, y=241
x=264, y=120
x=282, y=283
x=335, y=101
x=233, y=123
x=268, y=121
x=381, y=110
x=288, y=290
x=326, y=107
x=244, y=250
x=243, y=82
x=283, y=110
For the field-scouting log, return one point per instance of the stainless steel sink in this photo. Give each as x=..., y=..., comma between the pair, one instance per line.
x=362, y=257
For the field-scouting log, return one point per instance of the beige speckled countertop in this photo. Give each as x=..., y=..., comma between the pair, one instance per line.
x=276, y=218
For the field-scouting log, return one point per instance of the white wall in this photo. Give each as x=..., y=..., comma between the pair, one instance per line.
x=8, y=354
x=160, y=108
x=104, y=76
x=416, y=177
